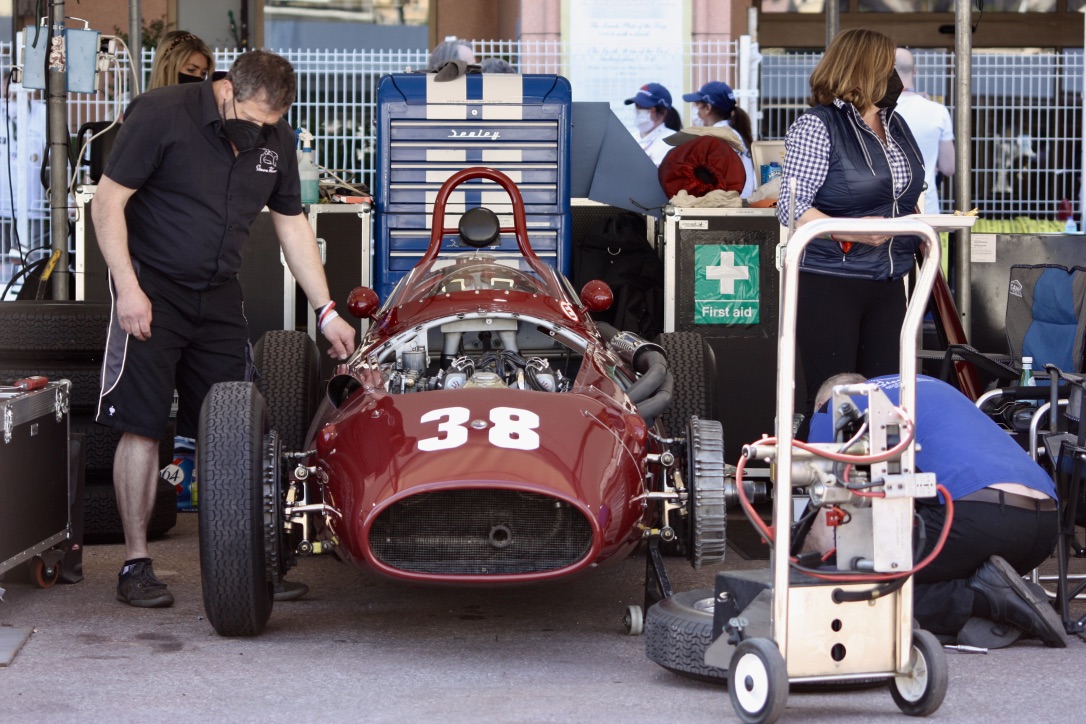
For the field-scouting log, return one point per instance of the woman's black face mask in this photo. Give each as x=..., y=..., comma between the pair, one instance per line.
x=894, y=86
x=186, y=78
x=245, y=135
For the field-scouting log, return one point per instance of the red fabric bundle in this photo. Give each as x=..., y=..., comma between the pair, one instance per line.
x=702, y=165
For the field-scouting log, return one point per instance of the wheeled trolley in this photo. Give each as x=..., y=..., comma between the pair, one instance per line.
x=35, y=492
x=801, y=621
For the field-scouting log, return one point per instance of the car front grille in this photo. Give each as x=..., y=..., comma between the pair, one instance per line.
x=480, y=532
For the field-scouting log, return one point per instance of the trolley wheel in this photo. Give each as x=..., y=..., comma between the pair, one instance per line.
x=42, y=575
x=921, y=691
x=634, y=621
x=758, y=681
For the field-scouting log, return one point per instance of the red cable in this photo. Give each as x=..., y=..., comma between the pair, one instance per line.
x=767, y=532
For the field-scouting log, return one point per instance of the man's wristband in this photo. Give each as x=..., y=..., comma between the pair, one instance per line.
x=326, y=314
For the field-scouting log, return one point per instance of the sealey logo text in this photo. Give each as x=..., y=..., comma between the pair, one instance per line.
x=491, y=135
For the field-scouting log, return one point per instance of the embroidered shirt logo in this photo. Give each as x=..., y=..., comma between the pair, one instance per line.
x=269, y=161
x=112, y=410
x=1016, y=288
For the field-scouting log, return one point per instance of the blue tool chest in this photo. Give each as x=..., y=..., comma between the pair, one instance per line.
x=428, y=130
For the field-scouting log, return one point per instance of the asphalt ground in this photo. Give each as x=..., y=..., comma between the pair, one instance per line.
x=366, y=649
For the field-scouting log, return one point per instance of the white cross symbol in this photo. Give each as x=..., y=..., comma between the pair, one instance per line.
x=727, y=273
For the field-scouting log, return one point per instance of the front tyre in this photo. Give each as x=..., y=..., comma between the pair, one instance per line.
x=231, y=458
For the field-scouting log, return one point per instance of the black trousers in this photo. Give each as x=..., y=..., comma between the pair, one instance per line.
x=847, y=325
x=942, y=600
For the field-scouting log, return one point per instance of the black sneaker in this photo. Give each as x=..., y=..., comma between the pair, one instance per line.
x=137, y=586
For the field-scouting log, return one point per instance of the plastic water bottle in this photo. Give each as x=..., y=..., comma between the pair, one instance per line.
x=1026, y=378
x=1022, y=411
x=310, y=176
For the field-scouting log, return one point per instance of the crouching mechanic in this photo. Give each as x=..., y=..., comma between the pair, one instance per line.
x=191, y=169
x=1005, y=520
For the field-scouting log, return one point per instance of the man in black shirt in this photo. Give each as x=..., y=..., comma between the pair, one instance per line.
x=192, y=167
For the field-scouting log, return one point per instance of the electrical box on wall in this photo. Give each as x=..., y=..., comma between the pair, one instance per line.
x=75, y=52
x=82, y=61
x=35, y=47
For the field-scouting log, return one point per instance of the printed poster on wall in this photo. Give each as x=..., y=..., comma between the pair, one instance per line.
x=726, y=284
x=618, y=46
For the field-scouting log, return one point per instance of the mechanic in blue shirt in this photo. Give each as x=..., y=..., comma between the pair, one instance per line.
x=1005, y=515
x=851, y=155
x=191, y=169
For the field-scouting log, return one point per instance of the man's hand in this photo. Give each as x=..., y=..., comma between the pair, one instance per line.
x=341, y=335
x=134, y=313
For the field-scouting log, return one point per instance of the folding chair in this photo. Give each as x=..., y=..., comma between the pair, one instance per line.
x=1045, y=320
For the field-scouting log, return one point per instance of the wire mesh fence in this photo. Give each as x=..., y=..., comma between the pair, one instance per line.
x=1026, y=137
x=1026, y=125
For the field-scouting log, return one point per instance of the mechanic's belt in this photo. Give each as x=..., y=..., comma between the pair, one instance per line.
x=1013, y=500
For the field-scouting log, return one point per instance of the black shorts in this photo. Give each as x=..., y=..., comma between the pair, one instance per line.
x=197, y=338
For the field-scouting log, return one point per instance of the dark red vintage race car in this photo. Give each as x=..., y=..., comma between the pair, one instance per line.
x=486, y=431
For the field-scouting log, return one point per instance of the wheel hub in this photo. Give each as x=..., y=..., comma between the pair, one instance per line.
x=754, y=691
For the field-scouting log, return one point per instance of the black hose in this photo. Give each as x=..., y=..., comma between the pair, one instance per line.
x=653, y=365
x=606, y=330
x=658, y=403
x=840, y=595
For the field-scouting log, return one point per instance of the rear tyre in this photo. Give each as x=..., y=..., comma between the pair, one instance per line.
x=288, y=376
x=693, y=367
x=231, y=459
x=102, y=521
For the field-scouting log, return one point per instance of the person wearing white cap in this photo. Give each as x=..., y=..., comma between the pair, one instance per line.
x=715, y=105
x=655, y=119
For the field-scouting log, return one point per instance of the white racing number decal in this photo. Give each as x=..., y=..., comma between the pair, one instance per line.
x=511, y=428
x=567, y=308
x=453, y=427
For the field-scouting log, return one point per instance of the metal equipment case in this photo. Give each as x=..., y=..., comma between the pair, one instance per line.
x=428, y=130
x=35, y=496
x=721, y=281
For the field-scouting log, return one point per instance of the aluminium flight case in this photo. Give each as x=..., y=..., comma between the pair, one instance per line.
x=35, y=482
x=428, y=130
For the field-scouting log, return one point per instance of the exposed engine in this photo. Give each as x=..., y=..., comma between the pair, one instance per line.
x=496, y=368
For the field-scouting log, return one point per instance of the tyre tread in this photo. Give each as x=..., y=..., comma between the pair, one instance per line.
x=237, y=595
x=288, y=368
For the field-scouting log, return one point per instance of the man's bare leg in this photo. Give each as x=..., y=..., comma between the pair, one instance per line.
x=135, y=478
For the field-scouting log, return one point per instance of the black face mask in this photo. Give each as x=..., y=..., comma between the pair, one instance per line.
x=894, y=86
x=245, y=135
x=186, y=78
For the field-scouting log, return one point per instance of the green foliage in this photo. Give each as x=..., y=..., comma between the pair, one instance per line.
x=150, y=33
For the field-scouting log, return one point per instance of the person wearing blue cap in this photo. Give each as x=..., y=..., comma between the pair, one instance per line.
x=714, y=105
x=655, y=119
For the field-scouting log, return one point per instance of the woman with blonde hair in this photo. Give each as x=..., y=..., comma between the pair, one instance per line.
x=181, y=57
x=851, y=155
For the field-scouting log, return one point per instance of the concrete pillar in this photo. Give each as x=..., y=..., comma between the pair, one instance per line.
x=540, y=31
